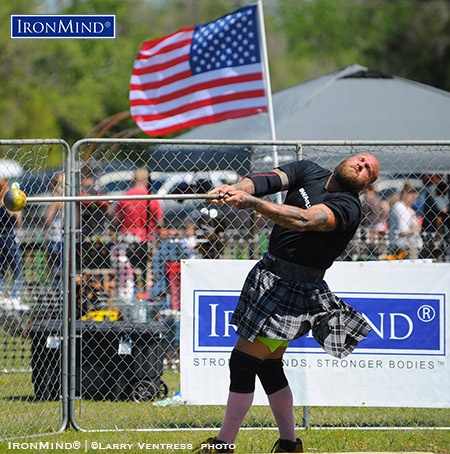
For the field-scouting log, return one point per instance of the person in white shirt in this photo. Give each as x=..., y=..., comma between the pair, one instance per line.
x=405, y=239
x=190, y=240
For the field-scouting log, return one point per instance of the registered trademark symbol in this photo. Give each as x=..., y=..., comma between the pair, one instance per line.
x=426, y=313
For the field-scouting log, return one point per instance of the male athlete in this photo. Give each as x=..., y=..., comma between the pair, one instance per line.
x=285, y=295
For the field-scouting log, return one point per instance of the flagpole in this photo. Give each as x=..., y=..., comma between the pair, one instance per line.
x=265, y=65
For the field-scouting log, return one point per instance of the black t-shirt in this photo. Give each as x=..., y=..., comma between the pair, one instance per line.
x=307, y=188
x=93, y=214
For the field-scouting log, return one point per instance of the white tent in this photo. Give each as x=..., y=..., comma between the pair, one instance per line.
x=354, y=103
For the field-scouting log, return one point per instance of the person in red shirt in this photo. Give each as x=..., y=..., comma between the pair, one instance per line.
x=139, y=221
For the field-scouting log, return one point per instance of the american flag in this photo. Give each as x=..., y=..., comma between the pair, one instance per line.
x=199, y=75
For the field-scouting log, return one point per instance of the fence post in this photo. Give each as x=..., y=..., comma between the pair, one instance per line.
x=306, y=421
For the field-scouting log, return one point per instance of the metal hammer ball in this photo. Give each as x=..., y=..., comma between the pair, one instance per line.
x=15, y=199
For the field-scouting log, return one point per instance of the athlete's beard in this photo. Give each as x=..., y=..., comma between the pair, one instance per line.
x=346, y=177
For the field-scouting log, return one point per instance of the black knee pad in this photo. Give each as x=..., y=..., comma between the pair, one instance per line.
x=243, y=370
x=271, y=375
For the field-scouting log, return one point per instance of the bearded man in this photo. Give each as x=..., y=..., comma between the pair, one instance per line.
x=285, y=294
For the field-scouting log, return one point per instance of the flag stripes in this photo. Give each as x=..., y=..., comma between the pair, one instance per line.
x=199, y=75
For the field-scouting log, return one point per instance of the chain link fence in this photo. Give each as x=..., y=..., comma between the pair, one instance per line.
x=112, y=267
x=27, y=294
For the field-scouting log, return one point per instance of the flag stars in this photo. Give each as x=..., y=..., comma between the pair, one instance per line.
x=229, y=41
x=220, y=54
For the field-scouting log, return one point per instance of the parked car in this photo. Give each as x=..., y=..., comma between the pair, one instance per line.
x=33, y=183
x=178, y=183
x=10, y=169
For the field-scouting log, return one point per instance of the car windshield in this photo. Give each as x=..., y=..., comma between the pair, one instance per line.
x=117, y=186
x=157, y=183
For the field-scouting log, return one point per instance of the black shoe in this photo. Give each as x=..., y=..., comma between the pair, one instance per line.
x=213, y=446
x=288, y=446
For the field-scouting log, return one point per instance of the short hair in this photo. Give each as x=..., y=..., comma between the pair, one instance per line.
x=408, y=188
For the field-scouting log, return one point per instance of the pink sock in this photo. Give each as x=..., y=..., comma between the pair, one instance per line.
x=237, y=407
x=281, y=403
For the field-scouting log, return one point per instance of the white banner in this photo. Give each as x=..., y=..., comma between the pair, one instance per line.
x=404, y=362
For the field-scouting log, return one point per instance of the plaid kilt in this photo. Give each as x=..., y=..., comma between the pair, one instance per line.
x=276, y=308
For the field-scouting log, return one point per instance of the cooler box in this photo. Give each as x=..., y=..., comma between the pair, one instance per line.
x=114, y=360
x=46, y=358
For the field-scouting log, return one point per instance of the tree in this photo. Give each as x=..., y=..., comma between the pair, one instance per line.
x=408, y=38
x=69, y=88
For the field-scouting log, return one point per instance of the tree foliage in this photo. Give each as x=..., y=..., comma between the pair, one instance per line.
x=67, y=88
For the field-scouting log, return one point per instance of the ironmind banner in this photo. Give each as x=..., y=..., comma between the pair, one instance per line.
x=404, y=362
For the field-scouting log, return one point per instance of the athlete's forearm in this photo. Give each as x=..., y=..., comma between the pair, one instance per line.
x=317, y=218
x=245, y=185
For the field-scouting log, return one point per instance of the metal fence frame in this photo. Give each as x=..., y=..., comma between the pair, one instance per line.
x=299, y=146
x=68, y=330
x=65, y=413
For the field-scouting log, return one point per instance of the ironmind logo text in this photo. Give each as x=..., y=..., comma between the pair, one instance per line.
x=401, y=324
x=62, y=26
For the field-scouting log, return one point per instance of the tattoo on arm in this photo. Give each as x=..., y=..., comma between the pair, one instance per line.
x=317, y=218
x=245, y=185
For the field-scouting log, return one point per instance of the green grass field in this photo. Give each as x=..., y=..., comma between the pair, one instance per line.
x=141, y=427
x=251, y=441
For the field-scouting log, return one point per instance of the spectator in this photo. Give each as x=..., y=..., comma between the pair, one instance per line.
x=139, y=221
x=404, y=225
x=190, y=239
x=434, y=210
x=95, y=217
x=54, y=222
x=10, y=253
x=375, y=216
x=166, y=265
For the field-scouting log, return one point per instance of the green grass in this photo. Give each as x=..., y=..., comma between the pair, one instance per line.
x=248, y=441
x=109, y=423
x=15, y=351
x=23, y=419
